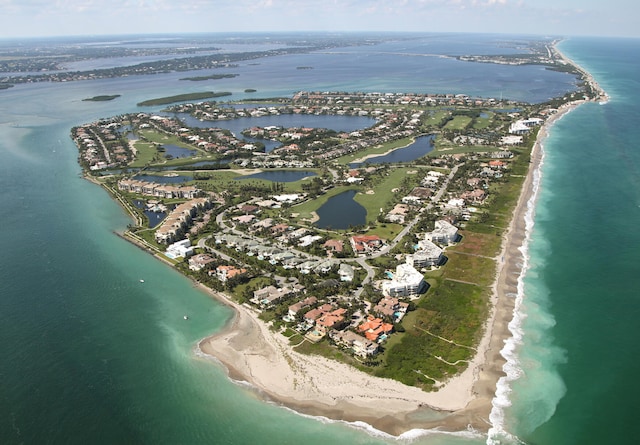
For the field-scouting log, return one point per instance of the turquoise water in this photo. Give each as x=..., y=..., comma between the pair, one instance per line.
x=92, y=355
x=578, y=361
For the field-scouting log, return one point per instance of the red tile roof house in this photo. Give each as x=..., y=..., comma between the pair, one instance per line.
x=366, y=243
x=297, y=307
x=224, y=273
x=334, y=245
x=373, y=328
x=358, y=344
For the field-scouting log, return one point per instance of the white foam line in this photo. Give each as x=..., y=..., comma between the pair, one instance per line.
x=497, y=433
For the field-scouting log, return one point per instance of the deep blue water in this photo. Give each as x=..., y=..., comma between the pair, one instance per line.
x=417, y=149
x=92, y=355
x=341, y=212
x=175, y=151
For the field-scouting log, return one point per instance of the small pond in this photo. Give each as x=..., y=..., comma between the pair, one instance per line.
x=341, y=212
x=420, y=147
x=175, y=151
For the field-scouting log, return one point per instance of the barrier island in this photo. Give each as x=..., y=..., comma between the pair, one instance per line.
x=397, y=318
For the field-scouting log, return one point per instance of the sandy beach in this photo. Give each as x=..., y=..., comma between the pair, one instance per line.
x=317, y=386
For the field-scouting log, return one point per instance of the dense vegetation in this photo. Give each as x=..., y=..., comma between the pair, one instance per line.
x=182, y=98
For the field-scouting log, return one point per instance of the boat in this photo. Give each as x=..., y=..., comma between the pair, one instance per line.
x=185, y=317
x=142, y=281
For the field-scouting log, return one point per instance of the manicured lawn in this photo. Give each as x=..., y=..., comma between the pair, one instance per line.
x=483, y=122
x=458, y=123
x=383, y=194
x=386, y=231
x=146, y=153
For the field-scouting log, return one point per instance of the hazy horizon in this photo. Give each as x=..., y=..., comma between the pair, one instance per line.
x=65, y=18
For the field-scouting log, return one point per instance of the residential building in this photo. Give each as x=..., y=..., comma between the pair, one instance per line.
x=443, y=233
x=358, y=344
x=200, y=261
x=366, y=243
x=406, y=282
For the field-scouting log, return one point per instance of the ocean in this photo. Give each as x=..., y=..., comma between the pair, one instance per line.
x=90, y=354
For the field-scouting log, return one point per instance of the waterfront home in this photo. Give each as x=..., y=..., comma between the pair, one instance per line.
x=180, y=218
x=200, y=261
x=524, y=126
x=315, y=314
x=180, y=249
x=398, y=213
x=391, y=307
x=358, y=344
x=427, y=254
x=226, y=272
x=300, y=305
x=329, y=319
x=443, y=233
x=334, y=245
x=476, y=196
x=269, y=295
x=406, y=282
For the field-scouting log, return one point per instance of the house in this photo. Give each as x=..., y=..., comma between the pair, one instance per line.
x=300, y=305
x=346, y=272
x=392, y=308
x=268, y=295
x=366, y=243
x=179, y=249
x=334, y=245
x=374, y=328
x=315, y=314
x=421, y=193
x=200, y=261
x=307, y=240
x=477, y=195
x=398, y=214
x=225, y=272
x=359, y=345
x=330, y=319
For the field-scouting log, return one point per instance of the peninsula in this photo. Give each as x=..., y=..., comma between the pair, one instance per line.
x=396, y=319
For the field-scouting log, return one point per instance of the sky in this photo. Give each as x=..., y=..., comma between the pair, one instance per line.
x=35, y=18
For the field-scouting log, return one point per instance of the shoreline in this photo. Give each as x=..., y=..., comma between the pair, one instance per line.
x=317, y=386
